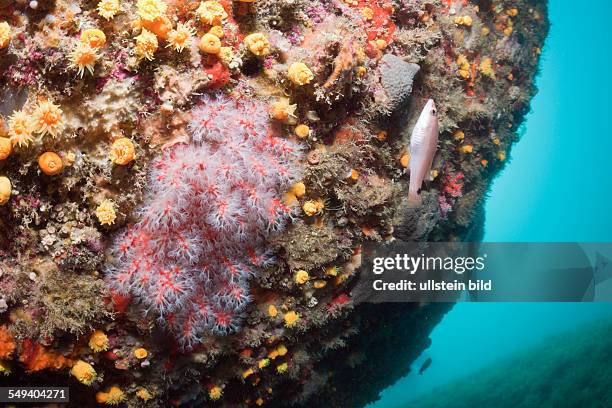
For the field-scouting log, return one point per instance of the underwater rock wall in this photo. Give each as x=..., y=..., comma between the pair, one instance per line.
x=98, y=99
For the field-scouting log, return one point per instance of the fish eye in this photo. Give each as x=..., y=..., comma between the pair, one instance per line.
x=433, y=111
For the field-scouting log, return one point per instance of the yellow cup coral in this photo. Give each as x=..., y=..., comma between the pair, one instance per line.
x=5, y=368
x=319, y=284
x=160, y=26
x=93, y=37
x=300, y=74
x=144, y=394
x=281, y=368
x=6, y=147
x=141, y=353
x=486, y=67
x=114, y=396
x=83, y=372
x=301, y=277
x=50, y=163
x=281, y=350
x=146, y=45
x=210, y=44
x=109, y=8
x=225, y=55
x=106, y=215
x=272, y=311
x=313, y=207
x=331, y=270
x=367, y=13
x=5, y=190
x=47, y=119
x=302, y=131
x=291, y=318
x=298, y=189
x=263, y=363
x=282, y=109
x=181, y=36
x=5, y=34
x=211, y=12
x=513, y=12
x=151, y=9
x=217, y=31
x=122, y=151
x=310, y=208
x=381, y=44
x=215, y=393
x=20, y=130
x=83, y=58
x=258, y=44
x=464, y=66
x=98, y=341
x=464, y=20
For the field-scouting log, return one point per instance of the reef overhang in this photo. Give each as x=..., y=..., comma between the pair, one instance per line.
x=306, y=160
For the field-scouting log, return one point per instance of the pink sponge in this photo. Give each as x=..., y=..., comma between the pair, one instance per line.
x=203, y=228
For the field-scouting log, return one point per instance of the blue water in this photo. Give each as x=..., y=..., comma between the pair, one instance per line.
x=557, y=187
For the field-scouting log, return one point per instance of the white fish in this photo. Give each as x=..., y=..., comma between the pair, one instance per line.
x=423, y=145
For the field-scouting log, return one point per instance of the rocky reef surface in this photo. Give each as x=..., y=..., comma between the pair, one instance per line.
x=186, y=187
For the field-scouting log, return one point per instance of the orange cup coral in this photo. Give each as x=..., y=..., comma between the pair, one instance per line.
x=5, y=34
x=215, y=393
x=146, y=45
x=7, y=343
x=122, y=151
x=302, y=131
x=210, y=44
x=141, y=353
x=180, y=37
x=300, y=74
x=83, y=58
x=291, y=318
x=258, y=44
x=6, y=147
x=47, y=119
x=20, y=130
x=83, y=372
x=5, y=190
x=106, y=215
x=211, y=12
x=93, y=37
x=50, y=163
x=98, y=341
x=109, y=8
x=114, y=396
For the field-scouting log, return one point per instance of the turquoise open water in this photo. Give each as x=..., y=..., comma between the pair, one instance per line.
x=557, y=187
